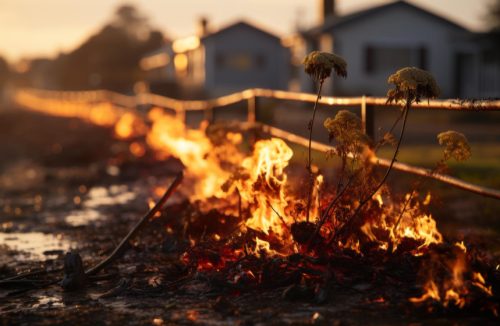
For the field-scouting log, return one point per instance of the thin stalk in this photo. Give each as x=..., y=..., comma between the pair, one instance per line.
x=329, y=208
x=340, y=193
x=417, y=186
x=239, y=204
x=279, y=216
x=403, y=211
x=390, y=130
x=309, y=160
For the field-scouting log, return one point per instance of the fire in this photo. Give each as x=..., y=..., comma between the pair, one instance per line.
x=262, y=246
x=104, y=114
x=264, y=189
x=258, y=178
x=130, y=125
x=400, y=221
x=456, y=281
x=203, y=171
x=137, y=149
x=254, y=187
x=127, y=124
x=431, y=292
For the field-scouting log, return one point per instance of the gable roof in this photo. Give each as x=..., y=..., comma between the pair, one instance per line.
x=239, y=24
x=341, y=21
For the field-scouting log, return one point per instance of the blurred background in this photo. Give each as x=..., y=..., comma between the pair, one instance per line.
x=200, y=48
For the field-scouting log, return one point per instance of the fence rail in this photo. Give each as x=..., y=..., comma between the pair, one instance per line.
x=365, y=103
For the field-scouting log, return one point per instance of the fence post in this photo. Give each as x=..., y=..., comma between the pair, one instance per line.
x=368, y=118
x=209, y=114
x=180, y=113
x=251, y=110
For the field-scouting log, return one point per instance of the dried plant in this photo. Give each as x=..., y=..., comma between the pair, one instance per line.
x=319, y=66
x=347, y=130
x=410, y=85
x=455, y=145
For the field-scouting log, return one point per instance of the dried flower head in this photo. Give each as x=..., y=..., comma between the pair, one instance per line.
x=319, y=65
x=455, y=145
x=412, y=84
x=347, y=130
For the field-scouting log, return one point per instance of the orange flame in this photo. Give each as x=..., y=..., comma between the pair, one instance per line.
x=454, y=289
x=130, y=125
x=203, y=170
x=402, y=222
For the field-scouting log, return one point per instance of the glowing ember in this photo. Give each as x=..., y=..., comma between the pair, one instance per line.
x=130, y=125
x=455, y=282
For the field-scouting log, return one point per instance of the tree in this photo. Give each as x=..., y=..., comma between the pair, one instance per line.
x=110, y=58
x=493, y=15
x=4, y=72
x=131, y=21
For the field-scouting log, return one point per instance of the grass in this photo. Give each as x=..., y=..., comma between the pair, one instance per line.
x=483, y=168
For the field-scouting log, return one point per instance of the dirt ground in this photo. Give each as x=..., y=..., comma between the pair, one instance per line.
x=66, y=185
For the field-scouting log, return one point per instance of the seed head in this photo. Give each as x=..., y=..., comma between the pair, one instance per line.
x=412, y=84
x=455, y=145
x=346, y=129
x=319, y=65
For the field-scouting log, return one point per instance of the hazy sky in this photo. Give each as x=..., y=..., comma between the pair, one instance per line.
x=44, y=27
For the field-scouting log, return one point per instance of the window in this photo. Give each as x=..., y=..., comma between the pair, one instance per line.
x=240, y=61
x=383, y=59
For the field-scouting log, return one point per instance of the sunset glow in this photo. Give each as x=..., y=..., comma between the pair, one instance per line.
x=31, y=28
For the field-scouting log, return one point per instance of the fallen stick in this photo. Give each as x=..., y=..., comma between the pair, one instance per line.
x=75, y=276
x=120, y=249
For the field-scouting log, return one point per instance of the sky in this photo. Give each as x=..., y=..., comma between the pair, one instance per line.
x=30, y=28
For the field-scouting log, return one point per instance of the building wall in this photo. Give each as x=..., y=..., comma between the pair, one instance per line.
x=242, y=58
x=399, y=28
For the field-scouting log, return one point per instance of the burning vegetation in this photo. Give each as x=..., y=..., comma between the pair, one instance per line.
x=247, y=223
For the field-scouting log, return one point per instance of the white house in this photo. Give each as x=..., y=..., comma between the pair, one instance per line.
x=157, y=65
x=158, y=70
x=379, y=40
x=233, y=58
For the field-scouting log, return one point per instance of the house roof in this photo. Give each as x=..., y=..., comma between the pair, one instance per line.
x=166, y=47
x=341, y=21
x=238, y=24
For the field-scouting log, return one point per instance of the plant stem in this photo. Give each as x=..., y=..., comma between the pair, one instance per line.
x=279, y=216
x=403, y=211
x=377, y=146
x=326, y=213
x=309, y=160
x=419, y=183
x=381, y=183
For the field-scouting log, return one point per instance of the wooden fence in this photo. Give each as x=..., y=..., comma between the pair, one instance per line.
x=367, y=105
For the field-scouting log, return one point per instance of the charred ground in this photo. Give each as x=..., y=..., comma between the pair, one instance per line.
x=50, y=166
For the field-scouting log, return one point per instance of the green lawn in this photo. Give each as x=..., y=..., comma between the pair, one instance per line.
x=482, y=168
